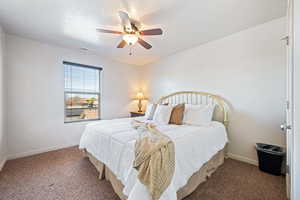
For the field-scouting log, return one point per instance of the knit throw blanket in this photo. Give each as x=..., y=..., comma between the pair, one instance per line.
x=154, y=158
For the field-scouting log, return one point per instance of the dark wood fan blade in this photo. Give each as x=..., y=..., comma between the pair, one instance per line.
x=125, y=20
x=144, y=43
x=156, y=31
x=122, y=44
x=123, y=15
x=108, y=31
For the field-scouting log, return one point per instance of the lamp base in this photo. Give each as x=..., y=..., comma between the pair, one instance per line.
x=140, y=106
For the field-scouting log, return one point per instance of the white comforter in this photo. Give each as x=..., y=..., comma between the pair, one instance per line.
x=112, y=142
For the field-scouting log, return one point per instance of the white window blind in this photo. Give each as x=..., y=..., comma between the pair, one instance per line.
x=82, y=92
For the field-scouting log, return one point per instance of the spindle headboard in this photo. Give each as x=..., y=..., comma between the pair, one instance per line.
x=193, y=97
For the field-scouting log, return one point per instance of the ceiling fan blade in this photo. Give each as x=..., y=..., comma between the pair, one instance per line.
x=156, y=31
x=125, y=21
x=144, y=44
x=122, y=44
x=108, y=31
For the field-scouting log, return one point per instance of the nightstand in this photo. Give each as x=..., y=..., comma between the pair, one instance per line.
x=137, y=114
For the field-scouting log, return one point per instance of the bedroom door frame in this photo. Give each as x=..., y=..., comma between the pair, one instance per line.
x=288, y=126
x=292, y=125
x=294, y=20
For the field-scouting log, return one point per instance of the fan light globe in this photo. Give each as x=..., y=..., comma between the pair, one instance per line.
x=130, y=39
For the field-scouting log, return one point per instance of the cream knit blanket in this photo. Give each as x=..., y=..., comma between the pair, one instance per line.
x=154, y=158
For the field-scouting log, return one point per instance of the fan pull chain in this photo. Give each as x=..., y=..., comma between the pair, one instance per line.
x=130, y=50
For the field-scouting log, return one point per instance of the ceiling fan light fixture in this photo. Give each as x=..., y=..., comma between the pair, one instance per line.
x=130, y=39
x=131, y=32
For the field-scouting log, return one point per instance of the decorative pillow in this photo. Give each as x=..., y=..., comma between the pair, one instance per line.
x=177, y=114
x=198, y=114
x=150, y=111
x=162, y=114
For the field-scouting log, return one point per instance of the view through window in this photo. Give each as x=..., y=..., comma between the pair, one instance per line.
x=82, y=92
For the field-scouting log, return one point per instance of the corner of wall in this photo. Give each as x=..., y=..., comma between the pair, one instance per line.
x=242, y=158
x=3, y=134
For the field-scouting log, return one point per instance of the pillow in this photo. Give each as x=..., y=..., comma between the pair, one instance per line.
x=162, y=114
x=177, y=114
x=150, y=111
x=198, y=114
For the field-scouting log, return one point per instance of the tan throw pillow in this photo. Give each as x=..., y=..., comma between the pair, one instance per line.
x=177, y=114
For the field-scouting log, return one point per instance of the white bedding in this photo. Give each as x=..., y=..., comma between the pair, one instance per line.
x=112, y=142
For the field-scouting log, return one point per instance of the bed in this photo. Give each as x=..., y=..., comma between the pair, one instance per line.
x=200, y=150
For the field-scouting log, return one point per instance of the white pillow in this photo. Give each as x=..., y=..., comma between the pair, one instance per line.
x=198, y=114
x=162, y=114
x=150, y=111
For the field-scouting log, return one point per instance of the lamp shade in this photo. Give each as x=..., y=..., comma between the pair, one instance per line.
x=140, y=96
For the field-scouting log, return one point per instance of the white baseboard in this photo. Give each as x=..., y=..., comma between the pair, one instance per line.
x=38, y=151
x=2, y=163
x=242, y=159
x=43, y=150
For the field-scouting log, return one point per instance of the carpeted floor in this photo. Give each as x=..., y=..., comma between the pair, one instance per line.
x=66, y=175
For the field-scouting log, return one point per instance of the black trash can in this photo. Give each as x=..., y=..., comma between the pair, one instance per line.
x=270, y=158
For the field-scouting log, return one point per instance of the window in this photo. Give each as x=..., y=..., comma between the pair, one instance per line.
x=82, y=92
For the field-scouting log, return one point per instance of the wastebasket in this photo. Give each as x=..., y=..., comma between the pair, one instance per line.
x=270, y=158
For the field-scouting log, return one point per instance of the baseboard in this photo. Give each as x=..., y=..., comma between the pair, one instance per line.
x=38, y=151
x=242, y=159
x=2, y=163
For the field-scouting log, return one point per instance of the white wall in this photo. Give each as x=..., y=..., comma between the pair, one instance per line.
x=246, y=68
x=3, y=139
x=35, y=94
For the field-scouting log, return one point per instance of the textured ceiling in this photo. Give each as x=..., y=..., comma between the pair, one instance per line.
x=72, y=23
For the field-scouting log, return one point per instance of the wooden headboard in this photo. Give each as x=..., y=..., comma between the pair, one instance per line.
x=193, y=97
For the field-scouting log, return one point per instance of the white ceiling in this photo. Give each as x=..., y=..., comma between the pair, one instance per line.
x=186, y=23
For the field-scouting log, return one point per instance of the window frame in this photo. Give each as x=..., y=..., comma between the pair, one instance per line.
x=84, y=93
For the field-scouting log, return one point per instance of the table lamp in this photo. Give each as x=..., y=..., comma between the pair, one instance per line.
x=140, y=97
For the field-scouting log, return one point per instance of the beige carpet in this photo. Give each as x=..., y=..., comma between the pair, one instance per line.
x=65, y=174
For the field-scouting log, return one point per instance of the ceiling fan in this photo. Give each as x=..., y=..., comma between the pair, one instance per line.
x=131, y=32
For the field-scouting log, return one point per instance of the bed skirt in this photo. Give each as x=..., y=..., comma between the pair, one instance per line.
x=196, y=179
